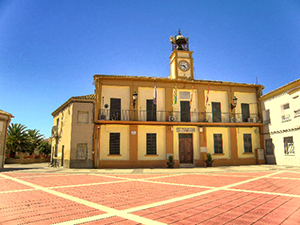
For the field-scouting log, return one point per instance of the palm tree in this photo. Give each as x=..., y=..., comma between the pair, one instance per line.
x=35, y=139
x=17, y=138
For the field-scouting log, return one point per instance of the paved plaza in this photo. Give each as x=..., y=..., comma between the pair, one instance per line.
x=38, y=194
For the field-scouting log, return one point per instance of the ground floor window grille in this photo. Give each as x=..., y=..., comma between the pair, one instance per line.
x=81, y=151
x=269, y=147
x=151, y=144
x=247, y=143
x=289, y=148
x=114, y=143
x=218, y=143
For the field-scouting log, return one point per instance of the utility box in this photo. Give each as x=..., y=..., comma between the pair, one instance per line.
x=260, y=156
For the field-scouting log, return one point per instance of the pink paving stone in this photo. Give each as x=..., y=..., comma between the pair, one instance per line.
x=30, y=174
x=202, y=180
x=247, y=174
x=112, y=220
x=287, y=175
x=273, y=185
x=128, y=194
x=55, y=181
x=40, y=208
x=139, y=176
x=9, y=185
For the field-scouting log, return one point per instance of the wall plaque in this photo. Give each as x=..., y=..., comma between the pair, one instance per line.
x=184, y=95
x=185, y=130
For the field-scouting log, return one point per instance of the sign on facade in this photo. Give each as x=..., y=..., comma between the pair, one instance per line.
x=185, y=130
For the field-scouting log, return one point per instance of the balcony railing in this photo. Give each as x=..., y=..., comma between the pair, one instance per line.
x=176, y=116
x=296, y=113
x=286, y=118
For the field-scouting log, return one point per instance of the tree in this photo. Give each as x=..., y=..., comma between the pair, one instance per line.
x=44, y=147
x=17, y=138
x=35, y=140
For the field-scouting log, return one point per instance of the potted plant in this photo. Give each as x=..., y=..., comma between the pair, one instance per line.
x=171, y=161
x=209, y=160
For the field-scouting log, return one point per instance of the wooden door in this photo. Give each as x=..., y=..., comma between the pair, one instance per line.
x=62, y=155
x=185, y=148
x=151, y=110
x=216, y=111
x=115, y=109
x=245, y=112
x=185, y=111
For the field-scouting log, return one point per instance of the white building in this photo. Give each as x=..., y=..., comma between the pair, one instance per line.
x=281, y=119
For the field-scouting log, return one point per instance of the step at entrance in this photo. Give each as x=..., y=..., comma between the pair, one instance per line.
x=186, y=165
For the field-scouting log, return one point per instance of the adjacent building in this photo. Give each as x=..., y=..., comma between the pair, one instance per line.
x=73, y=133
x=5, y=119
x=141, y=121
x=281, y=124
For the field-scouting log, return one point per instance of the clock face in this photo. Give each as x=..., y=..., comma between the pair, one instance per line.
x=184, y=65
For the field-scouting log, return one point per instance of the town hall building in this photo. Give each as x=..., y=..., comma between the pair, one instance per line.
x=138, y=121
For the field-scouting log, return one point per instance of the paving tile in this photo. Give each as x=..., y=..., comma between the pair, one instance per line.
x=140, y=176
x=112, y=220
x=202, y=180
x=244, y=174
x=9, y=185
x=13, y=174
x=129, y=194
x=287, y=175
x=41, y=208
x=284, y=186
x=55, y=181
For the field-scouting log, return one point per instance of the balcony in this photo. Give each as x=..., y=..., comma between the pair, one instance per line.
x=296, y=113
x=286, y=118
x=175, y=116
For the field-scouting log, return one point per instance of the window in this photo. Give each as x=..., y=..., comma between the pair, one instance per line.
x=247, y=143
x=115, y=109
x=296, y=103
x=185, y=111
x=81, y=151
x=216, y=111
x=269, y=147
x=289, y=148
x=114, y=143
x=55, y=150
x=151, y=144
x=245, y=112
x=218, y=143
x=285, y=115
x=83, y=117
x=151, y=110
x=266, y=116
x=57, y=123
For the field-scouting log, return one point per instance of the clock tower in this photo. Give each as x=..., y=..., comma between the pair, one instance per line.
x=181, y=58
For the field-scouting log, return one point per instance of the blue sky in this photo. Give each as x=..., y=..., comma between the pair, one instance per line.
x=50, y=50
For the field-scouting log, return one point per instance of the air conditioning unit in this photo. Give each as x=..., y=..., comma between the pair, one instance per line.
x=250, y=120
x=233, y=120
x=172, y=118
x=102, y=117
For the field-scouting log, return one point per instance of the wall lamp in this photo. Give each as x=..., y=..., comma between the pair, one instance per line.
x=134, y=98
x=233, y=105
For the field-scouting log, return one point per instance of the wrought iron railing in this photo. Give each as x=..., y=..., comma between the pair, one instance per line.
x=296, y=113
x=177, y=116
x=286, y=118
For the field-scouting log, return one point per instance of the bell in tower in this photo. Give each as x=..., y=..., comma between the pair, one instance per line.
x=181, y=60
x=179, y=42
